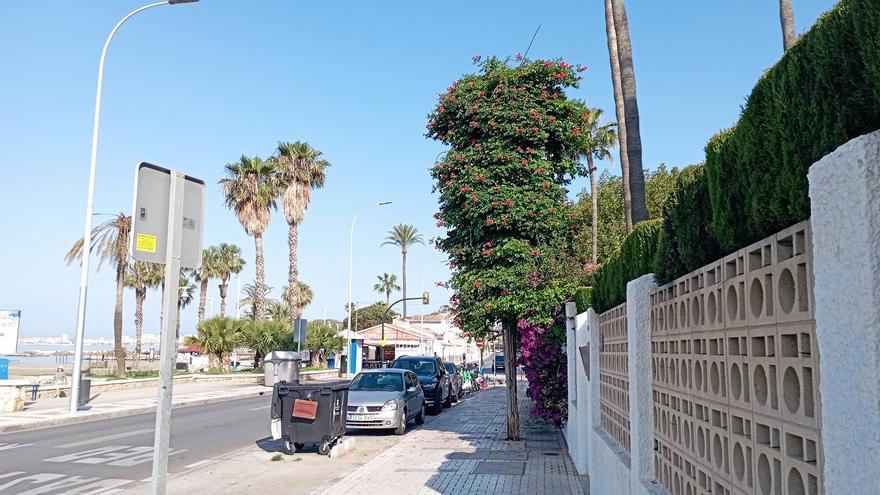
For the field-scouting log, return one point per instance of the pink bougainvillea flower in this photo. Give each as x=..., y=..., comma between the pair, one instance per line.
x=519, y=56
x=441, y=223
x=489, y=244
x=474, y=124
x=486, y=252
x=576, y=132
x=480, y=176
x=473, y=107
x=477, y=284
x=524, y=161
x=437, y=216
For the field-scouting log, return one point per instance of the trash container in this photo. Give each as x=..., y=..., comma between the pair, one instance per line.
x=281, y=366
x=4, y=369
x=85, y=391
x=310, y=413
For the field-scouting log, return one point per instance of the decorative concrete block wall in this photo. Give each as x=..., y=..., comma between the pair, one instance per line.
x=736, y=397
x=614, y=375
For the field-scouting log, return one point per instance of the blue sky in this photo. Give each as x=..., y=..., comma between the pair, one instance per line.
x=192, y=87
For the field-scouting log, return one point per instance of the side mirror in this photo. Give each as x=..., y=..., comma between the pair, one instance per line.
x=412, y=389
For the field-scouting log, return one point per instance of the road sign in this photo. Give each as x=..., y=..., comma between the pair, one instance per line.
x=480, y=344
x=9, y=321
x=150, y=215
x=300, y=332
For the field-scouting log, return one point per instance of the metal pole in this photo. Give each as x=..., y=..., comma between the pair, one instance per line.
x=237, y=296
x=90, y=208
x=351, y=362
x=169, y=336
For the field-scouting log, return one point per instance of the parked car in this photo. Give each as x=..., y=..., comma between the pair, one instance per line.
x=499, y=362
x=432, y=377
x=456, y=382
x=385, y=398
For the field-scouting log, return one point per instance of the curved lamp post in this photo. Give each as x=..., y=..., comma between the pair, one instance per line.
x=90, y=206
x=350, y=270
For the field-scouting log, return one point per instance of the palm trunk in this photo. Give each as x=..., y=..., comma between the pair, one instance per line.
x=631, y=111
x=203, y=296
x=513, y=430
x=619, y=111
x=594, y=197
x=117, y=322
x=786, y=17
x=177, y=328
x=260, y=284
x=223, y=286
x=387, y=298
x=293, y=294
x=139, y=296
x=404, y=284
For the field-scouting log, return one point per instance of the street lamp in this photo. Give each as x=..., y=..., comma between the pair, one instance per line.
x=90, y=206
x=350, y=268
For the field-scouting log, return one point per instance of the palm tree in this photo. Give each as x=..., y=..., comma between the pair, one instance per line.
x=249, y=302
x=300, y=169
x=387, y=284
x=110, y=241
x=306, y=295
x=186, y=291
x=229, y=262
x=218, y=337
x=631, y=112
x=404, y=236
x=204, y=273
x=266, y=336
x=786, y=17
x=279, y=311
x=597, y=144
x=141, y=276
x=322, y=340
x=619, y=111
x=251, y=190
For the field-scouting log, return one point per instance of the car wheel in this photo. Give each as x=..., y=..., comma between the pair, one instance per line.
x=437, y=408
x=448, y=401
x=420, y=419
x=453, y=395
x=401, y=428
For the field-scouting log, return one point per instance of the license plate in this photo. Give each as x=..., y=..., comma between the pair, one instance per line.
x=358, y=417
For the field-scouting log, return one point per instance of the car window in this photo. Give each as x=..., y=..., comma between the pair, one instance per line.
x=411, y=380
x=418, y=366
x=450, y=368
x=385, y=382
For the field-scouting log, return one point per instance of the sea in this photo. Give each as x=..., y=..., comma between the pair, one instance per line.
x=57, y=353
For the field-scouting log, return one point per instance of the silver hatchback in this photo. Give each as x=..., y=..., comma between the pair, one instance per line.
x=385, y=398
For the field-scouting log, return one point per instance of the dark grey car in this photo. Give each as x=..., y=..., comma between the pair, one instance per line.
x=455, y=381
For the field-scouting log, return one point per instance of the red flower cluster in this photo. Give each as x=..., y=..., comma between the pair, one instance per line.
x=575, y=132
x=534, y=252
x=474, y=124
x=480, y=177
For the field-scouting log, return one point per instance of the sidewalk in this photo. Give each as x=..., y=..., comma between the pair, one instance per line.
x=465, y=452
x=54, y=412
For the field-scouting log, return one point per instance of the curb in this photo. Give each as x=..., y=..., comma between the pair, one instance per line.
x=70, y=419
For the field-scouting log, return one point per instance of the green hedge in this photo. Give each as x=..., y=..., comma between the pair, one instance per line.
x=824, y=92
x=688, y=243
x=583, y=298
x=636, y=258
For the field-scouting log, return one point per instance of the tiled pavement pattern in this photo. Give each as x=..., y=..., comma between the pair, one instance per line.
x=464, y=451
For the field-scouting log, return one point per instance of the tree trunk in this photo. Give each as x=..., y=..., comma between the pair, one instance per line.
x=177, y=328
x=118, y=349
x=203, y=296
x=619, y=111
x=404, y=283
x=387, y=298
x=513, y=430
x=139, y=297
x=595, y=198
x=786, y=17
x=260, y=283
x=293, y=295
x=223, y=286
x=631, y=113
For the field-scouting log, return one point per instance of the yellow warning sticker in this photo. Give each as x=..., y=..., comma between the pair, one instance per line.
x=145, y=243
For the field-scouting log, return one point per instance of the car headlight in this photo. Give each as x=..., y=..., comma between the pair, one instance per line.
x=391, y=405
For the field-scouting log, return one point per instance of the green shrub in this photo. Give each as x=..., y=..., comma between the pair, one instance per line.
x=688, y=243
x=636, y=258
x=824, y=92
x=583, y=298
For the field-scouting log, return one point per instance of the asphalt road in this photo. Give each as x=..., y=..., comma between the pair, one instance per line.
x=105, y=457
x=98, y=456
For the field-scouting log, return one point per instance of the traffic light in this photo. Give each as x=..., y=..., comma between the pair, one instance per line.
x=426, y=298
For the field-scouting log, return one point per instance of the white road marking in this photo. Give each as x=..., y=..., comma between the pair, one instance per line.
x=55, y=483
x=261, y=408
x=10, y=446
x=197, y=464
x=106, y=438
x=114, y=455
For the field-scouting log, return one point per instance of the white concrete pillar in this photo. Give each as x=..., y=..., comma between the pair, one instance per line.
x=845, y=201
x=593, y=333
x=583, y=348
x=641, y=411
x=571, y=425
